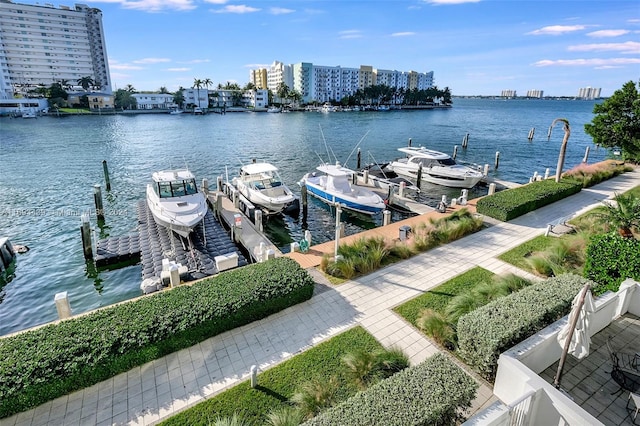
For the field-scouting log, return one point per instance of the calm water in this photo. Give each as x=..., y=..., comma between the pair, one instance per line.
x=48, y=168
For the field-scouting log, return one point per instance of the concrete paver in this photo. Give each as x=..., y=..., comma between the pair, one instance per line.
x=161, y=388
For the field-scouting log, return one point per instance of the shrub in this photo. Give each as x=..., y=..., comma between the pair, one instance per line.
x=591, y=174
x=509, y=204
x=365, y=368
x=363, y=256
x=42, y=364
x=489, y=330
x=433, y=392
x=610, y=259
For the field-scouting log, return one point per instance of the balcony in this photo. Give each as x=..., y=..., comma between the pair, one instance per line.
x=587, y=394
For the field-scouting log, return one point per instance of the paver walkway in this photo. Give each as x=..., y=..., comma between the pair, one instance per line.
x=159, y=389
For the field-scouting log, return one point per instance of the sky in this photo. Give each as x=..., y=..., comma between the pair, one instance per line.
x=474, y=47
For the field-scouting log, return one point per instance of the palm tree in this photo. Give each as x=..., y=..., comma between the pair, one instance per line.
x=624, y=213
x=163, y=90
x=85, y=82
x=129, y=88
x=563, y=148
x=197, y=83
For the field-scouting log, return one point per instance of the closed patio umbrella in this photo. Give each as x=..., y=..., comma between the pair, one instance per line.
x=574, y=337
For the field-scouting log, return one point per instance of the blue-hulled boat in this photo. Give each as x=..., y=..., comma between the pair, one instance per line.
x=333, y=186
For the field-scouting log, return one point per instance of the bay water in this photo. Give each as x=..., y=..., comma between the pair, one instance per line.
x=48, y=167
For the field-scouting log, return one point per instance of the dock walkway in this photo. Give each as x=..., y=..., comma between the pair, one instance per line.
x=159, y=389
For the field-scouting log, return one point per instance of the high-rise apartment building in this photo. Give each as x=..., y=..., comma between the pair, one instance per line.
x=258, y=78
x=319, y=83
x=41, y=44
x=589, y=93
x=508, y=93
x=535, y=94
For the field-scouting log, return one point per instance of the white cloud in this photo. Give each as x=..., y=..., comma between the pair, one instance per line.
x=348, y=34
x=158, y=5
x=403, y=34
x=557, y=29
x=178, y=69
x=240, y=9
x=608, y=33
x=280, y=11
x=255, y=66
x=151, y=60
x=216, y=1
x=630, y=47
x=594, y=62
x=117, y=66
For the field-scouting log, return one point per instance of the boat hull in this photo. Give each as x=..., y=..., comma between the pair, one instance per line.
x=345, y=202
x=178, y=214
x=443, y=179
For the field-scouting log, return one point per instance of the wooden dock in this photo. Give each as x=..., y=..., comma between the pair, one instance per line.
x=313, y=256
x=247, y=233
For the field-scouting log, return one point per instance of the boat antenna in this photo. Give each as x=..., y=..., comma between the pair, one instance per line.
x=377, y=164
x=320, y=157
x=327, y=146
x=356, y=147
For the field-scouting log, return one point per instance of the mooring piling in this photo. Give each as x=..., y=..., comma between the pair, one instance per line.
x=465, y=140
x=62, y=305
x=455, y=151
x=497, y=163
x=85, y=232
x=586, y=155
x=97, y=198
x=105, y=169
x=531, y=133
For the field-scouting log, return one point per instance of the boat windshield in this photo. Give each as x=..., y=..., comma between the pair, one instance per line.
x=428, y=162
x=177, y=188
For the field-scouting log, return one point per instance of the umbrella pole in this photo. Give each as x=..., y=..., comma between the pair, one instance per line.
x=567, y=343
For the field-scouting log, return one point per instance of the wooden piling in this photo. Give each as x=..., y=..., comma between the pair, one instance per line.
x=62, y=305
x=409, y=142
x=497, y=163
x=358, y=158
x=105, y=169
x=465, y=140
x=492, y=188
x=586, y=155
x=419, y=176
x=85, y=232
x=531, y=133
x=97, y=198
x=455, y=151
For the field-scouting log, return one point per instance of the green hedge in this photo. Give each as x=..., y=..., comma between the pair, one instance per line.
x=491, y=329
x=48, y=362
x=433, y=392
x=512, y=203
x=612, y=259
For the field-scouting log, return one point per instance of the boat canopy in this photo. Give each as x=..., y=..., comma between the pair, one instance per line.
x=423, y=152
x=256, y=168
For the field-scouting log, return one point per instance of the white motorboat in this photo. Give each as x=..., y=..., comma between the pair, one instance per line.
x=261, y=184
x=274, y=109
x=198, y=111
x=175, y=202
x=333, y=186
x=379, y=176
x=176, y=111
x=29, y=113
x=437, y=167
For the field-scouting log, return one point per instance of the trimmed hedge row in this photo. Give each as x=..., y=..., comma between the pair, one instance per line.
x=511, y=203
x=491, y=329
x=433, y=392
x=39, y=365
x=612, y=259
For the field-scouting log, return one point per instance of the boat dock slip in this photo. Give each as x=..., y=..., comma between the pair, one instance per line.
x=115, y=250
x=247, y=234
x=153, y=243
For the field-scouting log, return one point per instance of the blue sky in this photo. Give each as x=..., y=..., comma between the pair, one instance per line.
x=475, y=47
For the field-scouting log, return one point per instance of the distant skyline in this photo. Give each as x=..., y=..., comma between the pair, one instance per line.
x=474, y=47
